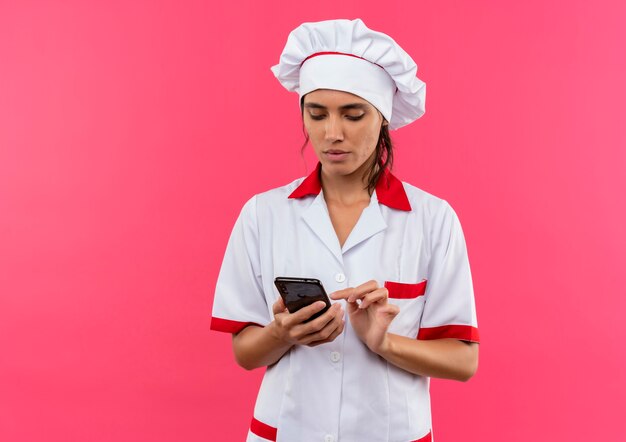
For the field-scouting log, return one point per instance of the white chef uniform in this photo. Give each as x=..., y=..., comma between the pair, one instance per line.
x=407, y=240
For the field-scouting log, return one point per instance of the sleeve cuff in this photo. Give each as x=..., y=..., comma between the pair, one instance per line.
x=229, y=326
x=461, y=332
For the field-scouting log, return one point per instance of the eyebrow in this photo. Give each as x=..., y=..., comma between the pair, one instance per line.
x=344, y=107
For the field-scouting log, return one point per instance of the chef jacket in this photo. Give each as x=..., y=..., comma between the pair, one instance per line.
x=408, y=241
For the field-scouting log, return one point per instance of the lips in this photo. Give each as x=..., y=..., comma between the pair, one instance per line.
x=335, y=151
x=336, y=154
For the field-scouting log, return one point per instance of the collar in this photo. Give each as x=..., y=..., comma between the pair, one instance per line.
x=389, y=189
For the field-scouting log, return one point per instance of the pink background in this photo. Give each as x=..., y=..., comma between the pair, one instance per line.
x=131, y=133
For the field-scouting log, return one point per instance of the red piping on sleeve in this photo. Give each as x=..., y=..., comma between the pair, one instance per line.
x=427, y=438
x=263, y=430
x=228, y=326
x=462, y=332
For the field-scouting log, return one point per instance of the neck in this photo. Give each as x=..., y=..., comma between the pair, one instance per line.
x=346, y=189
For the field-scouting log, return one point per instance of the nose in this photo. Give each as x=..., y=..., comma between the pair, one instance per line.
x=334, y=129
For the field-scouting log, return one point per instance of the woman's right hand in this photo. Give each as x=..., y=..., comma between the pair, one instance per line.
x=291, y=328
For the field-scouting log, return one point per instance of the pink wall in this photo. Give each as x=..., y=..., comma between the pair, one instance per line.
x=132, y=132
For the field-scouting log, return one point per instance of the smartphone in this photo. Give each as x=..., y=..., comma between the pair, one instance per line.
x=300, y=292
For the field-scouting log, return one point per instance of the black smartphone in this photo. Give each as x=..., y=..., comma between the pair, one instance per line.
x=300, y=292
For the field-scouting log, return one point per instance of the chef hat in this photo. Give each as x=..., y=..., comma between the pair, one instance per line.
x=348, y=56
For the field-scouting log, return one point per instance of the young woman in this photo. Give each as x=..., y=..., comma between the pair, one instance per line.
x=392, y=257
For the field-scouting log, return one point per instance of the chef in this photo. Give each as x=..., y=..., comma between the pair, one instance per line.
x=392, y=257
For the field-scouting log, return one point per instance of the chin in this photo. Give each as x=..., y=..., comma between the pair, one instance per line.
x=339, y=168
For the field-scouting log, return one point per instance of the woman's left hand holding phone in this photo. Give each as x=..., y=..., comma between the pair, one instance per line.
x=256, y=346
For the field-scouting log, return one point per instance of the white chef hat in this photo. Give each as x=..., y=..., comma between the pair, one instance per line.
x=348, y=56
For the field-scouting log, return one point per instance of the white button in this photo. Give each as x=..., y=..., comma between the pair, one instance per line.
x=340, y=277
x=329, y=438
x=335, y=356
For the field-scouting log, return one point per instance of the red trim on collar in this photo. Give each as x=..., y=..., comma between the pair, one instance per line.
x=391, y=193
x=389, y=189
x=310, y=186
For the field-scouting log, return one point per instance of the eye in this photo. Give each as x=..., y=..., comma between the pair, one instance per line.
x=354, y=118
x=316, y=117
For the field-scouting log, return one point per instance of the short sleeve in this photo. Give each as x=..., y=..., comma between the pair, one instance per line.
x=239, y=300
x=449, y=309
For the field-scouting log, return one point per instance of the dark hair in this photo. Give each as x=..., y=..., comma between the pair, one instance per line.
x=383, y=155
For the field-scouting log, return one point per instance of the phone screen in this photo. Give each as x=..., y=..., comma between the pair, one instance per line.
x=300, y=292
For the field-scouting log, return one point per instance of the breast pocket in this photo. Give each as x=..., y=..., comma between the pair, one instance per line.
x=410, y=298
x=402, y=290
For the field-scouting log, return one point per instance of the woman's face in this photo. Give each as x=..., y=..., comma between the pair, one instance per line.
x=343, y=129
